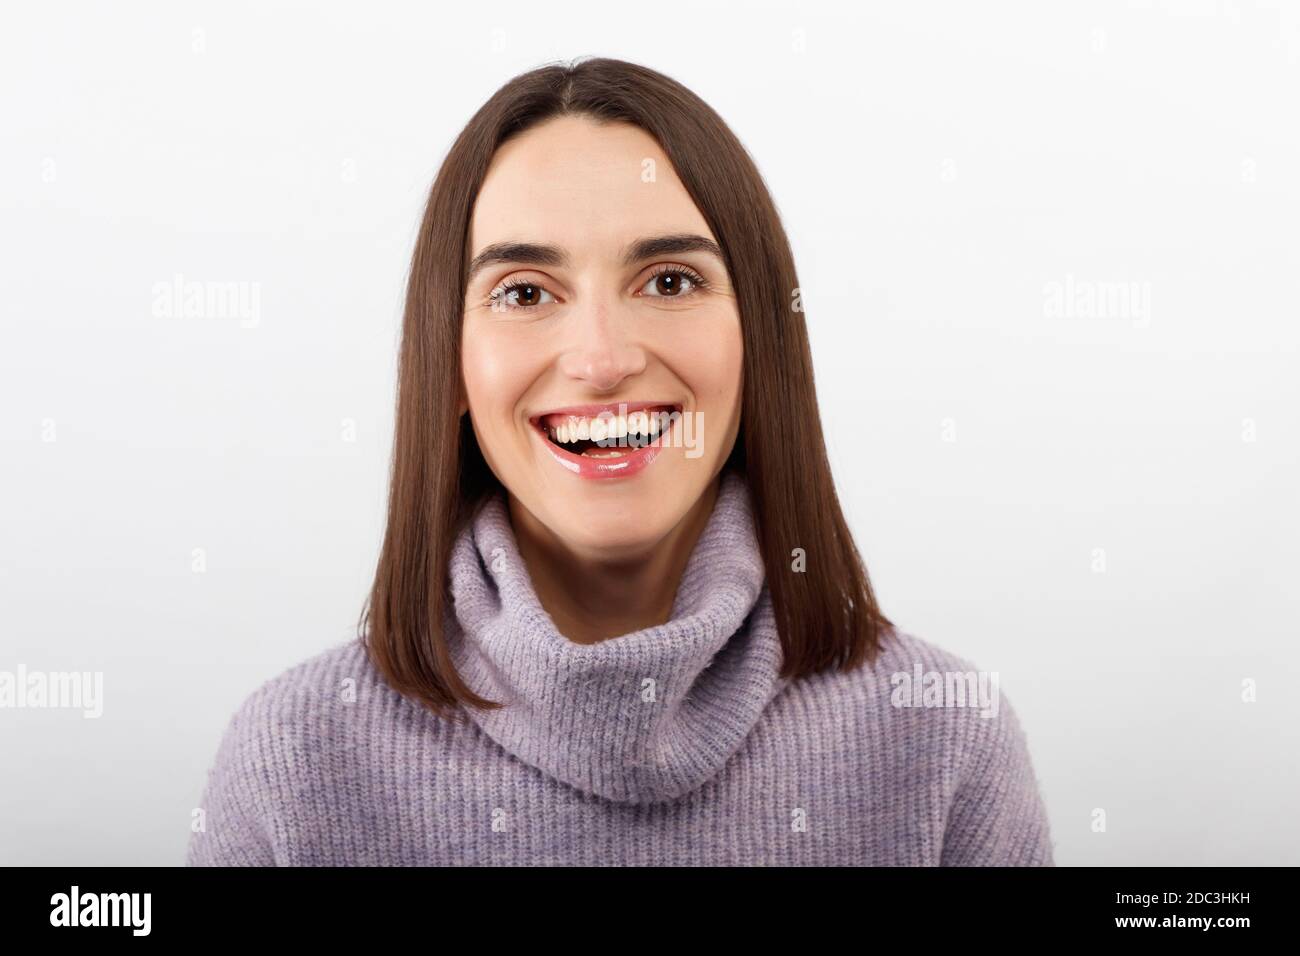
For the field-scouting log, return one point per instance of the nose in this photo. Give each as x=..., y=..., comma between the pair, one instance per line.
x=600, y=352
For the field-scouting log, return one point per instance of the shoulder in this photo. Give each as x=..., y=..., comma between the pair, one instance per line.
x=310, y=681
x=902, y=650
x=949, y=723
x=285, y=747
x=925, y=701
x=961, y=699
x=331, y=691
x=313, y=720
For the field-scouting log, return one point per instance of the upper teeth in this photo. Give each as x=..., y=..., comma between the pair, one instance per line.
x=575, y=428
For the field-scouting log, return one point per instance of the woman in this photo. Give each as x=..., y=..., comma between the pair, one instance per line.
x=618, y=617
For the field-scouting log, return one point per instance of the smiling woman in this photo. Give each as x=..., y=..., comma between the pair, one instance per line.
x=587, y=601
x=621, y=301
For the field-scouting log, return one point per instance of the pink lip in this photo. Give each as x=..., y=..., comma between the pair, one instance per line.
x=624, y=466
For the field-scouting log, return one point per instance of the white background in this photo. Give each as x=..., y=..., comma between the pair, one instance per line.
x=938, y=169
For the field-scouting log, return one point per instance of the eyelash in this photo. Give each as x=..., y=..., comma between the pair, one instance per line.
x=698, y=284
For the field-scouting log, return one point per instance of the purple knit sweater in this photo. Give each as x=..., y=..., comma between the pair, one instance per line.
x=678, y=744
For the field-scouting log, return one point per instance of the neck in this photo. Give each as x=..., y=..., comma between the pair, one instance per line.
x=593, y=597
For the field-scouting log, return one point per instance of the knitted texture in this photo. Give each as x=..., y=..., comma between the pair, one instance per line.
x=676, y=745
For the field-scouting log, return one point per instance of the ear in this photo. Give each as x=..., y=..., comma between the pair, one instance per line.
x=462, y=404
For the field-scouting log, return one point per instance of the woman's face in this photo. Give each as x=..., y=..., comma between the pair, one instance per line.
x=602, y=364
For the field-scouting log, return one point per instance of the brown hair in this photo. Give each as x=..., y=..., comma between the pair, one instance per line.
x=827, y=616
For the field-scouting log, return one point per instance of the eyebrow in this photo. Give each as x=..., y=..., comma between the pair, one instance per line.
x=538, y=254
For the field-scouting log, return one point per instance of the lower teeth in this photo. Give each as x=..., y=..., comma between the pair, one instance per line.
x=612, y=449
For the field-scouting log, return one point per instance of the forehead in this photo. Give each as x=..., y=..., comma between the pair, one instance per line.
x=586, y=187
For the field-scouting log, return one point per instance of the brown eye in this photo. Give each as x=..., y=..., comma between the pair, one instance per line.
x=673, y=283
x=518, y=295
x=525, y=294
x=669, y=283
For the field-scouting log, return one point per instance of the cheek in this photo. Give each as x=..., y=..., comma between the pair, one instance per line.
x=496, y=372
x=710, y=358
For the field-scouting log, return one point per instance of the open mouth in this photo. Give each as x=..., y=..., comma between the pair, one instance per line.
x=608, y=433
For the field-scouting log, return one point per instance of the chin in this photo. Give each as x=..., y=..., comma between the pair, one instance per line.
x=613, y=527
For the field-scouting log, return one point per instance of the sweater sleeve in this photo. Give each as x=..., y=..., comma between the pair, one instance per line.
x=997, y=817
x=238, y=807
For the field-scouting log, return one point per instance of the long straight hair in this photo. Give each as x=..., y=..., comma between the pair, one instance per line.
x=826, y=613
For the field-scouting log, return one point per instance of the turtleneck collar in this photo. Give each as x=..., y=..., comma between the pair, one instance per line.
x=640, y=718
